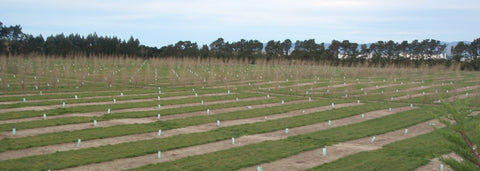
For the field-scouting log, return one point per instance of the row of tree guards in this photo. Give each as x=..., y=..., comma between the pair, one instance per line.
x=324, y=150
x=208, y=110
x=14, y=130
x=268, y=95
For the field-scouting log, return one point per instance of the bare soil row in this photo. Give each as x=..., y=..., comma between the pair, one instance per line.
x=128, y=163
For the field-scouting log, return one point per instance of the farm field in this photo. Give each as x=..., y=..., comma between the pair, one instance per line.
x=171, y=114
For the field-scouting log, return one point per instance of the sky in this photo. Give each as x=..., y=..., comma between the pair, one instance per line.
x=162, y=22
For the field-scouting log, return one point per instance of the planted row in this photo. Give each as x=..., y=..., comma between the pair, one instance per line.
x=110, y=152
x=140, y=114
x=411, y=153
x=267, y=151
x=72, y=100
x=120, y=130
x=96, y=108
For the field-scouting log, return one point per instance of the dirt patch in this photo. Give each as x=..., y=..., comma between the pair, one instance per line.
x=91, y=114
x=467, y=88
x=462, y=96
x=134, y=162
x=40, y=108
x=92, y=97
x=145, y=136
x=435, y=163
x=421, y=94
x=410, y=96
x=405, y=90
x=418, y=88
x=289, y=86
x=315, y=157
x=238, y=83
x=34, y=94
x=350, y=84
x=235, y=84
x=71, y=127
x=379, y=87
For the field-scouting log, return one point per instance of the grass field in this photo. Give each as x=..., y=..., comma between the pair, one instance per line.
x=166, y=114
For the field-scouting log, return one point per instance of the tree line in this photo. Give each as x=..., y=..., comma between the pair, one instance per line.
x=13, y=42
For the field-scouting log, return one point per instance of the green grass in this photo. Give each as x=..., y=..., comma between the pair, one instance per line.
x=267, y=151
x=431, y=98
x=123, y=115
x=120, y=130
x=71, y=99
x=69, y=94
x=411, y=153
x=403, y=155
x=113, y=107
x=106, y=153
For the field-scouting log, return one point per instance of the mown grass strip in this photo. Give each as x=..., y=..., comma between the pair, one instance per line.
x=67, y=94
x=431, y=98
x=124, y=150
x=71, y=99
x=95, y=108
x=82, y=93
x=268, y=151
x=120, y=130
x=411, y=153
x=56, y=93
x=164, y=112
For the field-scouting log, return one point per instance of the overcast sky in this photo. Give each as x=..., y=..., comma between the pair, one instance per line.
x=162, y=22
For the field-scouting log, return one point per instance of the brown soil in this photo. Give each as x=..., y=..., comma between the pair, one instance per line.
x=421, y=94
x=34, y=94
x=315, y=157
x=127, y=163
x=232, y=84
x=40, y=108
x=410, y=96
x=129, y=138
x=244, y=83
x=418, y=88
x=103, y=113
x=71, y=127
x=294, y=85
x=349, y=84
x=145, y=136
x=405, y=90
x=462, y=96
x=379, y=87
x=435, y=163
x=91, y=114
x=92, y=97
x=374, y=88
